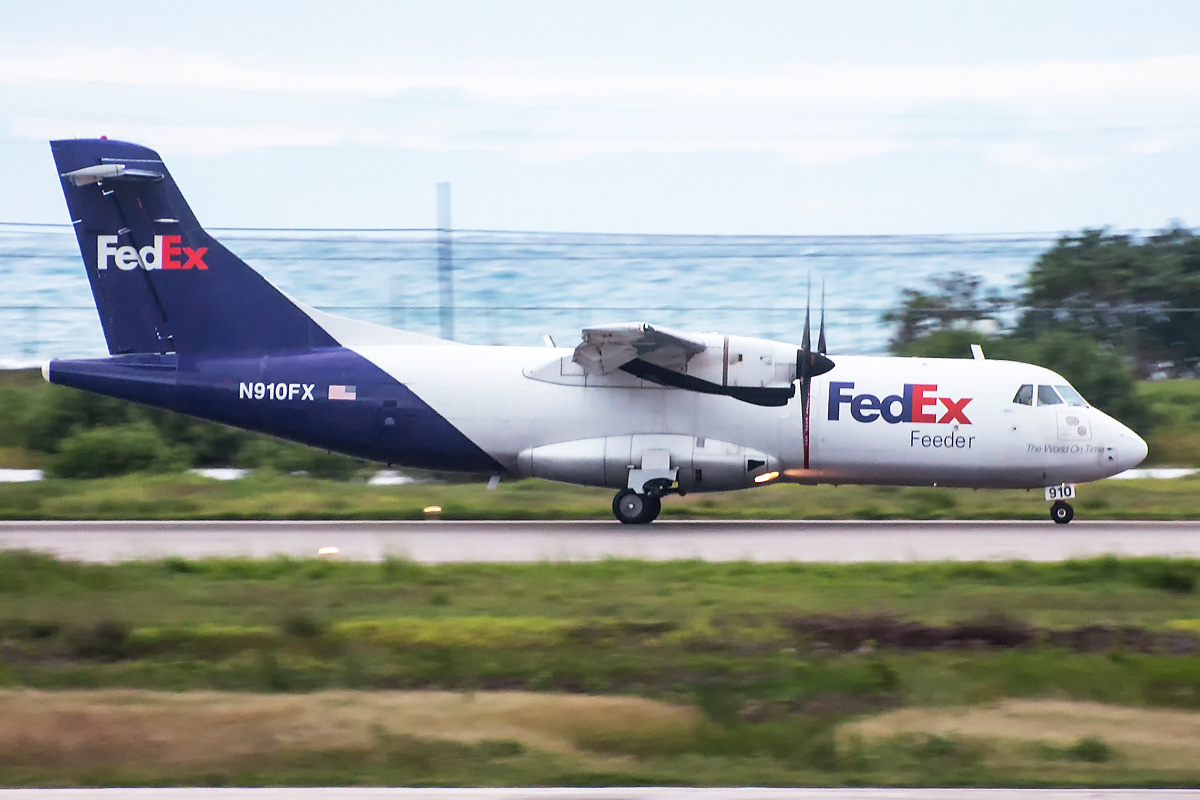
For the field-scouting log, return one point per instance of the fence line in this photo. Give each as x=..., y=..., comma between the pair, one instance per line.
x=730, y=284
x=30, y=334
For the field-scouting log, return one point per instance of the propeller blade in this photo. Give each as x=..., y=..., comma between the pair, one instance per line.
x=821, y=333
x=810, y=364
x=805, y=343
x=805, y=389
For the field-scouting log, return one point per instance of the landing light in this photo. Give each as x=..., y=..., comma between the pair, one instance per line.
x=766, y=476
x=327, y=551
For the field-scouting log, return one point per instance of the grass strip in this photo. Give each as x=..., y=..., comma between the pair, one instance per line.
x=287, y=672
x=131, y=738
x=274, y=496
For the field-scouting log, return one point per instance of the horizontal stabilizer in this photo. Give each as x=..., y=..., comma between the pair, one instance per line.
x=105, y=172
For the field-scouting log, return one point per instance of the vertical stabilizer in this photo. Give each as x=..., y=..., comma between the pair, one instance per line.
x=160, y=282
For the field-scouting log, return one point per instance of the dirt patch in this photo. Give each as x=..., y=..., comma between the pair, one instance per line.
x=111, y=728
x=1151, y=737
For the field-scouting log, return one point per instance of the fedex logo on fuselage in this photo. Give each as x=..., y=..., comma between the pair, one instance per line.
x=917, y=403
x=165, y=253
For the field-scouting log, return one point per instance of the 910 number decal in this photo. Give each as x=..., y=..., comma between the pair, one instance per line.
x=1064, y=491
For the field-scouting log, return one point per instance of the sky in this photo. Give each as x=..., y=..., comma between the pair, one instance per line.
x=768, y=117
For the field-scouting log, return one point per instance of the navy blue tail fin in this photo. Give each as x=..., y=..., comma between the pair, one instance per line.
x=160, y=282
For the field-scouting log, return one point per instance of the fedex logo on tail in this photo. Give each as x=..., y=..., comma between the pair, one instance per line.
x=917, y=403
x=165, y=253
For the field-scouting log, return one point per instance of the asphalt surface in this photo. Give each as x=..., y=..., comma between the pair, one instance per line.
x=443, y=541
x=663, y=793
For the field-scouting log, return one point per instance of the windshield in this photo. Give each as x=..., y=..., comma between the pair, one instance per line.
x=1072, y=397
x=1047, y=396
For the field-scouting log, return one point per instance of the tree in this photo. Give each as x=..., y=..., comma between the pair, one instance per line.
x=959, y=303
x=1177, y=255
x=1095, y=273
x=1139, y=298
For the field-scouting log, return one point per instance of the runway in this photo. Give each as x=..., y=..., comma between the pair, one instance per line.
x=437, y=542
x=619, y=793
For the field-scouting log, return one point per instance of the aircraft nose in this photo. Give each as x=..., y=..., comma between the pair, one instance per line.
x=1131, y=449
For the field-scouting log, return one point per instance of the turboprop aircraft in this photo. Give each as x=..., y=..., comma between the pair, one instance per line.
x=635, y=407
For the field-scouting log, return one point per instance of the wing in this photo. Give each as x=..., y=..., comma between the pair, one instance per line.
x=608, y=348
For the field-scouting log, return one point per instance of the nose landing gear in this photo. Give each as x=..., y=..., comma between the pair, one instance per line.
x=1061, y=512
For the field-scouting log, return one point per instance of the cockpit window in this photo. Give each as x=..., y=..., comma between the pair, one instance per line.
x=1072, y=397
x=1024, y=395
x=1047, y=396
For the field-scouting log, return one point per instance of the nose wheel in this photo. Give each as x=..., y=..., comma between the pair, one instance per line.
x=1061, y=512
x=632, y=508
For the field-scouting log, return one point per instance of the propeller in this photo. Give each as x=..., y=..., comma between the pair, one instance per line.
x=821, y=333
x=809, y=364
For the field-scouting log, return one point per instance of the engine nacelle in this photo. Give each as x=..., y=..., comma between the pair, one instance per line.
x=744, y=361
x=740, y=361
x=699, y=464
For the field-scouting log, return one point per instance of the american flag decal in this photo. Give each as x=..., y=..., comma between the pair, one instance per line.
x=342, y=392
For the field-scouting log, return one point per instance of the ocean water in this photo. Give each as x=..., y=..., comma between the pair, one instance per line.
x=515, y=287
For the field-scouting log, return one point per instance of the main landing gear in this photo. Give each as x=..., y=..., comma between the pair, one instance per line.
x=632, y=508
x=640, y=508
x=1061, y=512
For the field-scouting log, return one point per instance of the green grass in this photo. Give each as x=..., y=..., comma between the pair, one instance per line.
x=1155, y=593
x=739, y=630
x=772, y=659
x=1174, y=434
x=274, y=496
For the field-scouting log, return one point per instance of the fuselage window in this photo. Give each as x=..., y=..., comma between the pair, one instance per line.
x=1024, y=395
x=1072, y=397
x=1047, y=396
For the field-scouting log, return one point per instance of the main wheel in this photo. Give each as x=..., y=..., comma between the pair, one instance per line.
x=1061, y=512
x=632, y=508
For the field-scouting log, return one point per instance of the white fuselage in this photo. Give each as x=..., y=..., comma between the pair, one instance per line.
x=956, y=423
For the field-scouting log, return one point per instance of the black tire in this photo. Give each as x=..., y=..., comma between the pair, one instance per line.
x=631, y=508
x=1062, y=513
x=653, y=507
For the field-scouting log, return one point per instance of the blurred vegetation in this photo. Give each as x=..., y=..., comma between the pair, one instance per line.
x=396, y=603
x=1139, y=299
x=1099, y=308
x=1173, y=428
x=772, y=660
x=272, y=495
x=75, y=434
